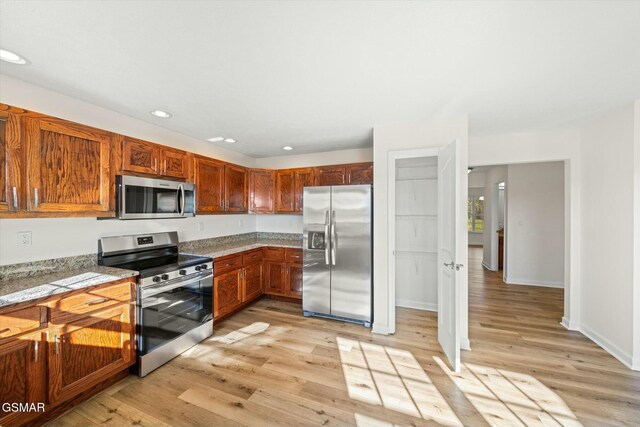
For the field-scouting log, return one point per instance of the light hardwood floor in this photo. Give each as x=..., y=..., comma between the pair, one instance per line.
x=268, y=365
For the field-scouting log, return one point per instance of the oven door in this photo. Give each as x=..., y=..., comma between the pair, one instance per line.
x=140, y=198
x=168, y=310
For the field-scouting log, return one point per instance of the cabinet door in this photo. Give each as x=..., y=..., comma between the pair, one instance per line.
x=175, y=164
x=274, y=278
x=360, y=173
x=331, y=175
x=303, y=178
x=285, y=191
x=261, y=191
x=236, y=188
x=89, y=350
x=252, y=286
x=294, y=280
x=23, y=374
x=67, y=167
x=140, y=156
x=227, y=292
x=209, y=179
x=10, y=161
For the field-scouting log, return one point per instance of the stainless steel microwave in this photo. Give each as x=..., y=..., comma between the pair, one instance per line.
x=145, y=198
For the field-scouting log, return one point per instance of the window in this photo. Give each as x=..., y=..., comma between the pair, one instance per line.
x=475, y=214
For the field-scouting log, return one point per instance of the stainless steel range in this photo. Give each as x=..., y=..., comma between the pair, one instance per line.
x=175, y=294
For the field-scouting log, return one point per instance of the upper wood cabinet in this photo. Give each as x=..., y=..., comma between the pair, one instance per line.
x=10, y=162
x=360, y=173
x=304, y=177
x=331, y=175
x=23, y=374
x=261, y=190
x=209, y=178
x=67, y=167
x=285, y=191
x=236, y=188
x=140, y=156
x=148, y=158
x=89, y=350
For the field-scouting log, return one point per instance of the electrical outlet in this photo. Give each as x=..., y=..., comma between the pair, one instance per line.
x=240, y=223
x=200, y=226
x=24, y=238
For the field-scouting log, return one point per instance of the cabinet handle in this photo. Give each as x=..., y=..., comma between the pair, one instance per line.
x=35, y=351
x=15, y=198
x=35, y=197
x=165, y=166
x=97, y=301
x=2, y=331
x=155, y=164
x=56, y=344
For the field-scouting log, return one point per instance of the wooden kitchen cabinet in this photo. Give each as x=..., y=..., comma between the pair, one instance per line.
x=227, y=292
x=294, y=280
x=331, y=175
x=10, y=162
x=140, y=156
x=285, y=191
x=23, y=367
x=209, y=178
x=304, y=177
x=360, y=173
x=261, y=190
x=236, y=188
x=274, y=277
x=252, y=285
x=175, y=163
x=89, y=350
x=67, y=167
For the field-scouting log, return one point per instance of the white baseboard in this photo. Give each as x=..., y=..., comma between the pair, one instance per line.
x=416, y=305
x=380, y=329
x=609, y=347
x=465, y=344
x=488, y=267
x=570, y=326
x=527, y=282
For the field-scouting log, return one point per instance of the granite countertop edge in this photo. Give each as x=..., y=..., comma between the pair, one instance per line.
x=14, y=291
x=218, y=251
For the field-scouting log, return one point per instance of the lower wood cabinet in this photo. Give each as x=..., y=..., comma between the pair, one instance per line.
x=227, y=292
x=23, y=378
x=294, y=280
x=252, y=282
x=283, y=272
x=88, y=351
x=274, y=277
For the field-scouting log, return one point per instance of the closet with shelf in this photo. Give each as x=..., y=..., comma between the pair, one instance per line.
x=416, y=216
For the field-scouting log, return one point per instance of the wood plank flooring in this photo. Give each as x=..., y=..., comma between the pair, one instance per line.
x=270, y=366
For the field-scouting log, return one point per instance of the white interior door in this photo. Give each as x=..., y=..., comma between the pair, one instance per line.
x=449, y=164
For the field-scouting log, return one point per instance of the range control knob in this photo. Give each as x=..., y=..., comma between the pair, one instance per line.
x=203, y=266
x=165, y=277
x=183, y=272
x=198, y=268
x=156, y=279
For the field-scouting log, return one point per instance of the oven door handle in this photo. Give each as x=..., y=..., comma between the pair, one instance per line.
x=148, y=292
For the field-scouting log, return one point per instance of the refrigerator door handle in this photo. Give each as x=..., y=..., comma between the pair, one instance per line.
x=326, y=238
x=334, y=239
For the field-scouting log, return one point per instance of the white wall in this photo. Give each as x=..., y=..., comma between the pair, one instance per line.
x=636, y=246
x=607, y=236
x=62, y=237
x=476, y=179
x=399, y=137
x=535, y=224
x=489, y=238
x=356, y=155
x=279, y=223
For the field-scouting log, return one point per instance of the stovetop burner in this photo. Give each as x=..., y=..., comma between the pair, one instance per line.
x=154, y=266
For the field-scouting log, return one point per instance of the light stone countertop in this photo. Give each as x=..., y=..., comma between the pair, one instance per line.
x=217, y=251
x=16, y=290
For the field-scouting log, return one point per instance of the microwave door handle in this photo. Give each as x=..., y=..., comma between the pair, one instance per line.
x=182, y=199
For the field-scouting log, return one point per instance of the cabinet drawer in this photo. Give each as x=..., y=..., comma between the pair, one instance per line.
x=227, y=263
x=274, y=254
x=252, y=256
x=67, y=308
x=293, y=255
x=20, y=321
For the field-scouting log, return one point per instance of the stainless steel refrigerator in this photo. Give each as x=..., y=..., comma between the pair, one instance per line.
x=338, y=250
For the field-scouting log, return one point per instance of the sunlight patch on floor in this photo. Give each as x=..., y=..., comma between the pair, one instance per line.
x=506, y=398
x=242, y=333
x=394, y=379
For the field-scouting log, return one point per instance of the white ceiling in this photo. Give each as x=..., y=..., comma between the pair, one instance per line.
x=320, y=75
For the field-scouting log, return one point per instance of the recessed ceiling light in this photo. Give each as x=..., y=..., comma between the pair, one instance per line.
x=287, y=148
x=216, y=139
x=12, y=57
x=161, y=114
x=230, y=140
